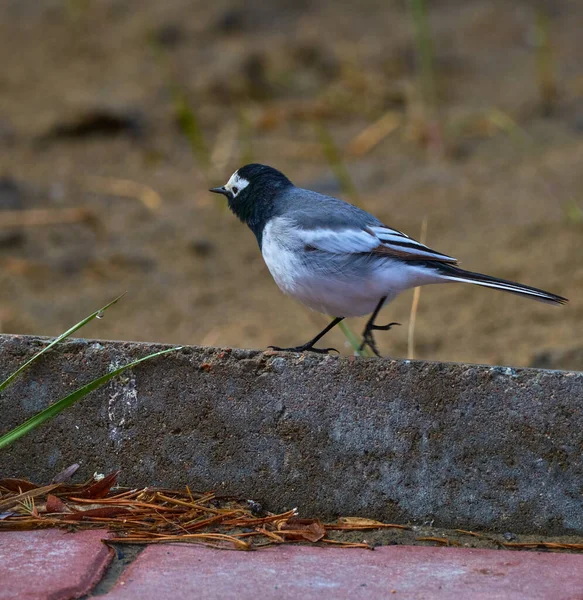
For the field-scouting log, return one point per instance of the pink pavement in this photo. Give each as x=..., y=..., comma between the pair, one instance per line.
x=413, y=572
x=53, y=565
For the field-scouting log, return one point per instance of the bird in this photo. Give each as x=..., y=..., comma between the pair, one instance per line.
x=338, y=259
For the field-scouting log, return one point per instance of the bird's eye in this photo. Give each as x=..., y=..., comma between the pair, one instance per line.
x=235, y=190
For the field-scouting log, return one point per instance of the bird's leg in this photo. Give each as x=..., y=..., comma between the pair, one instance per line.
x=367, y=336
x=310, y=345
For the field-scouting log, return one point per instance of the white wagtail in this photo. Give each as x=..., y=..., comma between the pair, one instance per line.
x=336, y=258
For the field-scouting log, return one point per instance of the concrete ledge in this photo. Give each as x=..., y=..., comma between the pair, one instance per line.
x=466, y=446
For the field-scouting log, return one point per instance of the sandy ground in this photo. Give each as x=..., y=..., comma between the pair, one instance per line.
x=505, y=200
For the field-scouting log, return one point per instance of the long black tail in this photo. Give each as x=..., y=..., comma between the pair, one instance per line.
x=456, y=274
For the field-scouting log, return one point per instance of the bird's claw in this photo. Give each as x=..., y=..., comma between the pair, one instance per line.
x=383, y=327
x=368, y=339
x=304, y=348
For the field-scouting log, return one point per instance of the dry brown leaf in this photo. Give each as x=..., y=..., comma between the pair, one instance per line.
x=17, y=485
x=99, y=489
x=348, y=523
x=55, y=505
x=102, y=513
x=358, y=521
x=302, y=529
x=66, y=474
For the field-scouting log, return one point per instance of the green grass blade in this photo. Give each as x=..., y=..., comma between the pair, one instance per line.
x=545, y=64
x=334, y=159
x=353, y=340
x=54, y=409
x=189, y=125
x=424, y=51
x=67, y=333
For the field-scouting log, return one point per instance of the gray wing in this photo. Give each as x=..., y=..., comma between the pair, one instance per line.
x=331, y=225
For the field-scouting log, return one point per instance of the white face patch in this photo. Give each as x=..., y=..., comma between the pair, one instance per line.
x=236, y=184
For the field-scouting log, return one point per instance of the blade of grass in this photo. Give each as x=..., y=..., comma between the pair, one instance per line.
x=506, y=123
x=335, y=161
x=95, y=315
x=427, y=76
x=77, y=9
x=54, y=409
x=189, y=125
x=185, y=113
x=424, y=51
x=573, y=213
x=545, y=64
x=353, y=340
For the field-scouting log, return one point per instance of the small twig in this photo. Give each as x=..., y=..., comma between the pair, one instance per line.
x=438, y=540
x=363, y=545
x=224, y=146
x=36, y=217
x=472, y=533
x=270, y=534
x=549, y=545
x=374, y=134
x=125, y=188
x=363, y=527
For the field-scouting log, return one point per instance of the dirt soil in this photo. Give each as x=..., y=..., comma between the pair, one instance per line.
x=88, y=97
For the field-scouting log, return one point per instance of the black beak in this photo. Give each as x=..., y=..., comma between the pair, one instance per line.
x=220, y=190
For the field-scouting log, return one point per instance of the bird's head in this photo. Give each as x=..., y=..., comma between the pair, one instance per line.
x=251, y=192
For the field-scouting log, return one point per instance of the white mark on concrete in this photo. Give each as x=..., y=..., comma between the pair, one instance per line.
x=121, y=404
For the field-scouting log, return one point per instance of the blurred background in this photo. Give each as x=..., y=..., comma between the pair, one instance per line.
x=457, y=121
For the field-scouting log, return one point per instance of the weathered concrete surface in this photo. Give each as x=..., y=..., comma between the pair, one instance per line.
x=467, y=446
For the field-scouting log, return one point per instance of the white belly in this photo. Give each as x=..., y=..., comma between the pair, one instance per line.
x=348, y=285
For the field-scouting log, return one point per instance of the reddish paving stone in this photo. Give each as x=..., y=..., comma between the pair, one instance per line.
x=175, y=572
x=51, y=564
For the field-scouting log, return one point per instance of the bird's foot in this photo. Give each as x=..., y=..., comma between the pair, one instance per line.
x=368, y=338
x=374, y=327
x=304, y=348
